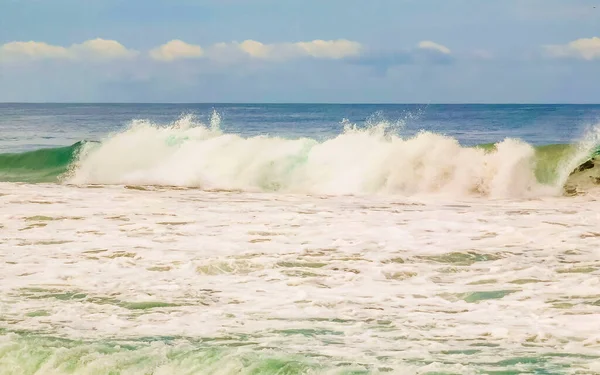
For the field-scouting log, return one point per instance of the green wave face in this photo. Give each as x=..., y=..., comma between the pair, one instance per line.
x=44, y=165
x=549, y=159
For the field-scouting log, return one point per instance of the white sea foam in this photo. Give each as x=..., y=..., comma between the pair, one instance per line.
x=358, y=161
x=263, y=283
x=163, y=280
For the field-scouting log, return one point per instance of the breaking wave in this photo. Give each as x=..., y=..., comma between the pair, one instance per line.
x=372, y=159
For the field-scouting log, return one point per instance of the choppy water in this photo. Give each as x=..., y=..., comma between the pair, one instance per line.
x=281, y=239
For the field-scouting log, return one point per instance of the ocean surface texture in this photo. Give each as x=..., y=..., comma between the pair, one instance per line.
x=299, y=239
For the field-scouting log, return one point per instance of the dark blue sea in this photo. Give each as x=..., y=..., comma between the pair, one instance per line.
x=31, y=126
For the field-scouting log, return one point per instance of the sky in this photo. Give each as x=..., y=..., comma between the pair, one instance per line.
x=332, y=51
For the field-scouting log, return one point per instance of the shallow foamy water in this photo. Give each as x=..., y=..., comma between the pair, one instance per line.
x=138, y=280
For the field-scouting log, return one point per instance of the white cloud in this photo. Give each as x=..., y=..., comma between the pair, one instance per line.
x=102, y=49
x=330, y=49
x=258, y=50
x=96, y=49
x=234, y=51
x=585, y=48
x=318, y=49
x=176, y=50
x=32, y=50
x=429, y=45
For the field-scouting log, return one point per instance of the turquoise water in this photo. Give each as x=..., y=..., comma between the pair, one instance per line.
x=31, y=354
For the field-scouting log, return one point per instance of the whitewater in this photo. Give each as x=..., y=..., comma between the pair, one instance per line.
x=183, y=246
x=361, y=160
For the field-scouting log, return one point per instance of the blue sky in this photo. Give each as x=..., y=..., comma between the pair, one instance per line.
x=426, y=51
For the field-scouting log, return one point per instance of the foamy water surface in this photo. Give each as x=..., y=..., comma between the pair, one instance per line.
x=132, y=280
x=299, y=239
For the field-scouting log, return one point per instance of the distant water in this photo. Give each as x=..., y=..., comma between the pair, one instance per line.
x=299, y=239
x=31, y=126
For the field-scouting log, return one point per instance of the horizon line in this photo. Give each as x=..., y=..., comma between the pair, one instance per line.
x=307, y=103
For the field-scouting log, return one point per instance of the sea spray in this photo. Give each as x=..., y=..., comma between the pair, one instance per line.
x=369, y=159
x=372, y=159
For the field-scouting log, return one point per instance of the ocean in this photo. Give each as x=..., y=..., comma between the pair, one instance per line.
x=299, y=239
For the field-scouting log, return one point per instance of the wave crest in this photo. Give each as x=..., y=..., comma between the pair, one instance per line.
x=371, y=159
